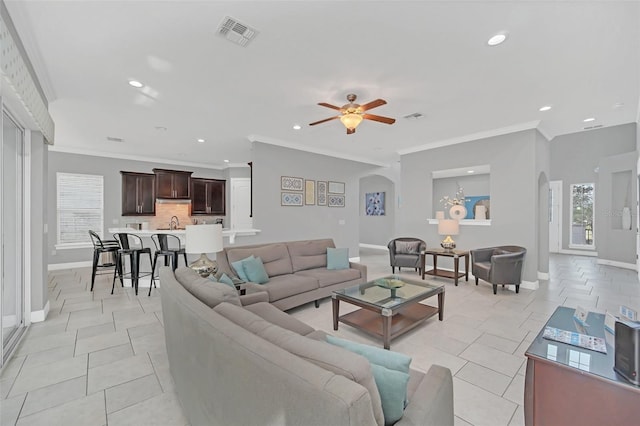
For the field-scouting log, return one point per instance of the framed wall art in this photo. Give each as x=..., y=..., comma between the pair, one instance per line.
x=374, y=203
x=336, y=187
x=310, y=192
x=291, y=198
x=288, y=183
x=321, y=192
x=335, y=200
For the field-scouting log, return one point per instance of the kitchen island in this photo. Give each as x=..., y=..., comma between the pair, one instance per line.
x=180, y=232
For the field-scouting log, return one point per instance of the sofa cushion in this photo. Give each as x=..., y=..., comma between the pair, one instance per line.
x=309, y=254
x=408, y=247
x=335, y=359
x=254, y=269
x=275, y=257
x=208, y=292
x=337, y=258
x=328, y=277
x=289, y=285
x=275, y=316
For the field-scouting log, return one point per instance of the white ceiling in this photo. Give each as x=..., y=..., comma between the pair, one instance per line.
x=426, y=57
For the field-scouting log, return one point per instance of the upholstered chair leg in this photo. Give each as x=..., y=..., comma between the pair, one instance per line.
x=517, y=288
x=495, y=289
x=393, y=269
x=476, y=280
x=317, y=303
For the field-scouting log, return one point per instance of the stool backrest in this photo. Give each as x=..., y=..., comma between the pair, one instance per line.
x=129, y=241
x=166, y=242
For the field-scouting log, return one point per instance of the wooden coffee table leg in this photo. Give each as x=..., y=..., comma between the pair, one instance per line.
x=335, y=304
x=422, y=263
x=440, y=305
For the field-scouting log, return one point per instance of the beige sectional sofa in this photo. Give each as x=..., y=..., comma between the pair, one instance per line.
x=241, y=361
x=297, y=270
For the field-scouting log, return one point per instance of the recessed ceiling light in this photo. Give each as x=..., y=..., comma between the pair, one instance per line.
x=297, y=127
x=161, y=128
x=497, y=39
x=586, y=120
x=135, y=83
x=226, y=161
x=201, y=140
x=545, y=108
x=471, y=171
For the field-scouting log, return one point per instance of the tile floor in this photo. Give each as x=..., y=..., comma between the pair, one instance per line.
x=100, y=359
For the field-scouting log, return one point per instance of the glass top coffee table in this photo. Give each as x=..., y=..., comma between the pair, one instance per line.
x=389, y=306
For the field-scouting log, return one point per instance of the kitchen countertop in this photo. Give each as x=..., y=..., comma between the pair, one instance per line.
x=226, y=232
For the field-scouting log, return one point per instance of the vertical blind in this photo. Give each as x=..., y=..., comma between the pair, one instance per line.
x=80, y=207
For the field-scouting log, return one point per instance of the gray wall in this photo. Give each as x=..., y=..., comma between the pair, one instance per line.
x=377, y=230
x=575, y=158
x=279, y=223
x=109, y=168
x=513, y=188
x=38, y=217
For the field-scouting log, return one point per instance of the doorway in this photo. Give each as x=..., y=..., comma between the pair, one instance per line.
x=12, y=293
x=555, y=216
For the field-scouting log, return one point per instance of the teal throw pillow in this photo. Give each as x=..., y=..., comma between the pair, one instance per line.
x=237, y=266
x=254, y=269
x=227, y=280
x=392, y=360
x=392, y=387
x=337, y=258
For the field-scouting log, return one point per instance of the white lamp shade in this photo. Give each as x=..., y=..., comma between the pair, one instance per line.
x=439, y=215
x=448, y=227
x=203, y=238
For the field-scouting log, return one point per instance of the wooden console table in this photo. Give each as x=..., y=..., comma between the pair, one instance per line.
x=455, y=254
x=569, y=385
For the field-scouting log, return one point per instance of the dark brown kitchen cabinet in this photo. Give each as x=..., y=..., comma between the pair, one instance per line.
x=173, y=184
x=207, y=197
x=138, y=194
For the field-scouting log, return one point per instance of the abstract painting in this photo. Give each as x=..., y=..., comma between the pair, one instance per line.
x=321, y=190
x=374, y=203
x=336, y=200
x=288, y=183
x=291, y=198
x=310, y=192
x=478, y=203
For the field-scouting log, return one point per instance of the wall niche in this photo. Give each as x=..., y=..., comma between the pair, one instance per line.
x=475, y=182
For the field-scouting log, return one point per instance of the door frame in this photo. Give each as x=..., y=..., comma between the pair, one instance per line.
x=555, y=186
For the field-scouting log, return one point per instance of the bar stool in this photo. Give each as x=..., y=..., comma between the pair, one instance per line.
x=101, y=246
x=169, y=247
x=132, y=246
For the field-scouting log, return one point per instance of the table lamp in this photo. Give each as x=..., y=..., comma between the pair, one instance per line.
x=448, y=227
x=204, y=239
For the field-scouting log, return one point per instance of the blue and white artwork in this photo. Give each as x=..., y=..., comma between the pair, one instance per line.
x=374, y=203
x=478, y=204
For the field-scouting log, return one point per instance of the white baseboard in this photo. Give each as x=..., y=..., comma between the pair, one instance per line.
x=373, y=246
x=543, y=276
x=624, y=265
x=39, y=316
x=530, y=285
x=70, y=265
x=580, y=252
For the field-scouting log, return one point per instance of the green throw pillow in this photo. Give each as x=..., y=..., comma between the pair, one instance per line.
x=227, y=280
x=392, y=387
x=390, y=372
x=337, y=258
x=240, y=269
x=254, y=269
x=392, y=360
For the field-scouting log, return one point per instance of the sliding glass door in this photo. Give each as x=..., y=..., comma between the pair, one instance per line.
x=11, y=211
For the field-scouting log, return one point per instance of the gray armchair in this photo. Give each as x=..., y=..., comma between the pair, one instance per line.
x=498, y=265
x=405, y=252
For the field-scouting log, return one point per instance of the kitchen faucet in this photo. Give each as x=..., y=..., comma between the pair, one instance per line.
x=174, y=223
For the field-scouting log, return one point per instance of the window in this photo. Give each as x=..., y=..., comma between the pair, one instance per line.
x=80, y=208
x=582, y=197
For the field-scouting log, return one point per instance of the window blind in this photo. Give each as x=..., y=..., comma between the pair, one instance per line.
x=80, y=207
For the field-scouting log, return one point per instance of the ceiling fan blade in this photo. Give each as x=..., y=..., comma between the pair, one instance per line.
x=379, y=118
x=325, y=120
x=324, y=104
x=373, y=104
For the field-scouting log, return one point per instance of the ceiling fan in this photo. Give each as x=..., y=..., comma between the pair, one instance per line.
x=352, y=114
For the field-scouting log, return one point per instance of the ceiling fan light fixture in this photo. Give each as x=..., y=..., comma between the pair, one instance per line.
x=351, y=120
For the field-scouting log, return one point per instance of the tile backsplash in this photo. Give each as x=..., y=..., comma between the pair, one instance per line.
x=164, y=212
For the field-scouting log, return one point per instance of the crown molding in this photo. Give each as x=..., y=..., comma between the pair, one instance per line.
x=81, y=151
x=291, y=145
x=473, y=137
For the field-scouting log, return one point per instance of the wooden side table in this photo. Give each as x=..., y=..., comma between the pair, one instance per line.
x=455, y=254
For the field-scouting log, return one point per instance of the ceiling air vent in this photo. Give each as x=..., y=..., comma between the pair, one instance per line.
x=235, y=31
x=114, y=139
x=414, y=116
